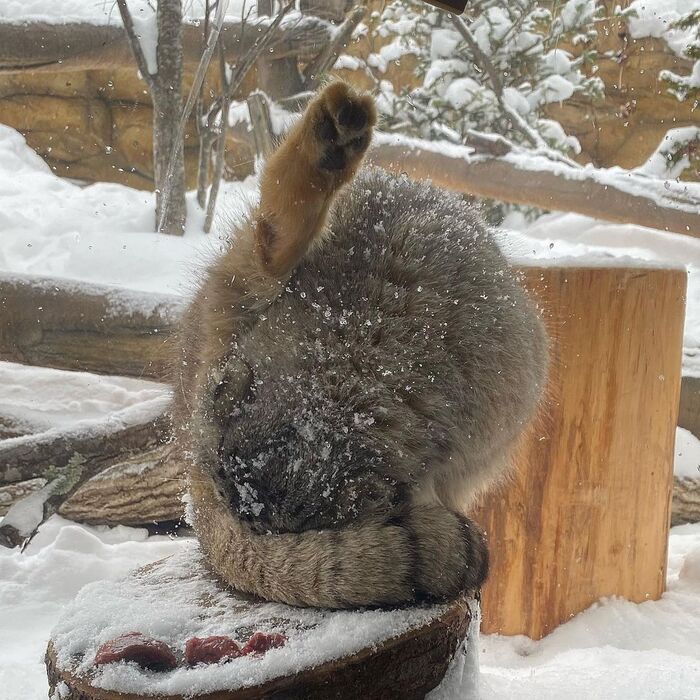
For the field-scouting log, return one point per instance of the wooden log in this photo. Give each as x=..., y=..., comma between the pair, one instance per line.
x=587, y=512
x=68, y=459
x=552, y=186
x=689, y=411
x=11, y=493
x=38, y=46
x=686, y=501
x=74, y=325
x=105, y=444
x=404, y=665
x=139, y=490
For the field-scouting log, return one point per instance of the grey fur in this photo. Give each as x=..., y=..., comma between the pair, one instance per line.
x=387, y=385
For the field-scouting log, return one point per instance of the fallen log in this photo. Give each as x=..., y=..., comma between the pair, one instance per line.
x=67, y=324
x=143, y=489
x=67, y=459
x=526, y=178
x=400, y=653
x=11, y=493
x=42, y=46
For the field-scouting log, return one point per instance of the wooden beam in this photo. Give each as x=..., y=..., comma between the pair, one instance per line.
x=77, y=46
x=96, y=328
x=600, y=194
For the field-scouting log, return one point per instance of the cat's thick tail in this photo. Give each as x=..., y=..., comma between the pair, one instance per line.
x=428, y=552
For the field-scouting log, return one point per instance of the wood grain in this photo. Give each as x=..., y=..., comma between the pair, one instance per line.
x=586, y=514
x=95, y=328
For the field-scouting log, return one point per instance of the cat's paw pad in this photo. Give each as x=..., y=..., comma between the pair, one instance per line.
x=343, y=125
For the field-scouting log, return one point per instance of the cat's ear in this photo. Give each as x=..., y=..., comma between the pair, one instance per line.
x=233, y=385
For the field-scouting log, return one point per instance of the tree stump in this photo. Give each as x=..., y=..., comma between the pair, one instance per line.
x=396, y=653
x=587, y=512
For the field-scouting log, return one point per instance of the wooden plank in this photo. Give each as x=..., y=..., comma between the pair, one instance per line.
x=587, y=512
x=95, y=328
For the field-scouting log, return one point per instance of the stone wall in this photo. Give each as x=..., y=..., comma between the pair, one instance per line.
x=97, y=125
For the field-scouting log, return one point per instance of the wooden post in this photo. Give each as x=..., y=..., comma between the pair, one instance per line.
x=259, y=110
x=586, y=514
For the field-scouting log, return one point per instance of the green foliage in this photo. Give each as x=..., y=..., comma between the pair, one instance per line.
x=686, y=87
x=497, y=79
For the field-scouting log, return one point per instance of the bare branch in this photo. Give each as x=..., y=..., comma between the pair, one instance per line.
x=262, y=41
x=135, y=44
x=329, y=54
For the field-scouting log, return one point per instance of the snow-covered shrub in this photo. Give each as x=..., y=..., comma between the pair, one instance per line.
x=496, y=73
x=678, y=154
x=686, y=87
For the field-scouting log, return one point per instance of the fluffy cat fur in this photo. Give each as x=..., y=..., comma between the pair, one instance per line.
x=352, y=371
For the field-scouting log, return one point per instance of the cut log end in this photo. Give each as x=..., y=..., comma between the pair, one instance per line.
x=406, y=654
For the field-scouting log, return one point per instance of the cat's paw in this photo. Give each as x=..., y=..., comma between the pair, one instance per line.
x=342, y=124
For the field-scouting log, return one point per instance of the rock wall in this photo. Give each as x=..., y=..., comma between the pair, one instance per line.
x=97, y=125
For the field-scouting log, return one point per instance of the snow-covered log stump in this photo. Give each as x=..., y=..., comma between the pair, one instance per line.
x=321, y=654
x=587, y=514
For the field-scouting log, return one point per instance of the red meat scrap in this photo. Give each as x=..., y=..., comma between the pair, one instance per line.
x=260, y=642
x=210, y=650
x=145, y=651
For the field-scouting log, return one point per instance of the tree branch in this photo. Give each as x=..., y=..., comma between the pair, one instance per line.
x=135, y=44
x=329, y=54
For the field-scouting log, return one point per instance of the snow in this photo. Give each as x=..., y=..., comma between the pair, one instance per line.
x=686, y=464
x=654, y=17
x=660, y=163
x=39, y=583
x=38, y=398
x=101, y=233
x=615, y=649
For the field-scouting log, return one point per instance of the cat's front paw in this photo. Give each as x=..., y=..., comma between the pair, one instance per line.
x=342, y=124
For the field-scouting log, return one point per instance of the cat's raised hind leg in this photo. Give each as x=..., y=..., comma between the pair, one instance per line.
x=320, y=154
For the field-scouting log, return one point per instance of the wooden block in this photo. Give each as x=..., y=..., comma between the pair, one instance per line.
x=587, y=513
x=390, y=653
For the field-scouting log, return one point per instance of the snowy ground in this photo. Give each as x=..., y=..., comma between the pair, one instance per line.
x=615, y=650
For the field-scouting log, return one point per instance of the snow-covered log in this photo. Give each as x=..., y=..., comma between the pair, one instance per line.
x=67, y=459
x=40, y=46
x=523, y=177
x=369, y=654
x=75, y=325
